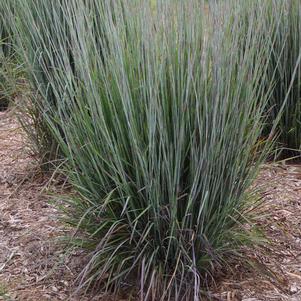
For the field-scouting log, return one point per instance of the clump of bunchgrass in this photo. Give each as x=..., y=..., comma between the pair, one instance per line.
x=161, y=142
x=8, y=67
x=9, y=73
x=158, y=123
x=41, y=40
x=285, y=71
x=6, y=48
x=281, y=29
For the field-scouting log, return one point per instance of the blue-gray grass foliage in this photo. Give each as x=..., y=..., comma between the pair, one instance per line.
x=285, y=71
x=158, y=122
x=42, y=45
x=8, y=69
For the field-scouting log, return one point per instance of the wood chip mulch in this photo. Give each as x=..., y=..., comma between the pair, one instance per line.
x=32, y=261
x=281, y=257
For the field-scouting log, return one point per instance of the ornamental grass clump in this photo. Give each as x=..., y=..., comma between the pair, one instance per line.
x=285, y=71
x=9, y=70
x=8, y=81
x=5, y=35
x=4, y=101
x=162, y=142
x=41, y=40
x=158, y=123
x=281, y=29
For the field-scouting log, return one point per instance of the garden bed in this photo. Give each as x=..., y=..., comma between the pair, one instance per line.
x=33, y=265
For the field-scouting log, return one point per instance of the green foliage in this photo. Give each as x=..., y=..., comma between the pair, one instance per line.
x=8, y=81
x=285, y=70
x=281, y=29
x=41, y=38
x=8, y=70
x=5, y=35
x=161, y=143
x=158, y=122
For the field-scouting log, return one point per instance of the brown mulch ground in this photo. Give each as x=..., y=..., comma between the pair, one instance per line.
x=32, y=264
x=282, y=256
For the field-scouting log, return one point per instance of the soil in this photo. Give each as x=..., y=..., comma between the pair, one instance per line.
x=32, y=261
x=281, y=223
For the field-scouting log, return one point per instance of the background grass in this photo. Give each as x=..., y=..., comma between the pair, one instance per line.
x=285, y=70
x=41, y=41
x=9, y=70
